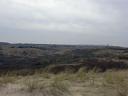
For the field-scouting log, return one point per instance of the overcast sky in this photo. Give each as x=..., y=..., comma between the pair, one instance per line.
x=64, y=21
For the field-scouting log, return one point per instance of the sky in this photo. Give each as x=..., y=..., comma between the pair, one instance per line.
x=98, y=22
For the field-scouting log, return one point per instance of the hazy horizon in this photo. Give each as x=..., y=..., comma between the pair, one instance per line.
x=83, y=22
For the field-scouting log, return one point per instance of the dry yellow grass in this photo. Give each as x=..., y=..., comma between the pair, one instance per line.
x=112, y=83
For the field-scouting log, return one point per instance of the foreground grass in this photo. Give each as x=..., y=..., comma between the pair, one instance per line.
x=111, y=83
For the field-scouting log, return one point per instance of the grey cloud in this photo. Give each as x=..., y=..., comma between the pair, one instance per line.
x=82, y=22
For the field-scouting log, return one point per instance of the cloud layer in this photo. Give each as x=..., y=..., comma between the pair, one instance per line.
x=64, y=21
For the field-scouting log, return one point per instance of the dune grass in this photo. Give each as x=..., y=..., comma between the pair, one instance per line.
x=112, y=83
